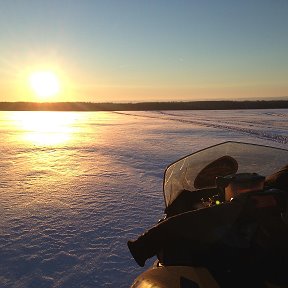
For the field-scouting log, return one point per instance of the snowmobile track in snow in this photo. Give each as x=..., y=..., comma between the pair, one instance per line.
x=224, y=125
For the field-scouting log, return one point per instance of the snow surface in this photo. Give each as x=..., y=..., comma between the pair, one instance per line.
x=71, y=196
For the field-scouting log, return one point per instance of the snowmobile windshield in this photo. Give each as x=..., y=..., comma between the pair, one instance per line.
x=200, y=169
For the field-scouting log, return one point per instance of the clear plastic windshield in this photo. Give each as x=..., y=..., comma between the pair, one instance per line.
x=190, y=172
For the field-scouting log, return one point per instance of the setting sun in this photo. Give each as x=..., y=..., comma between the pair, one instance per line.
x=44, y=83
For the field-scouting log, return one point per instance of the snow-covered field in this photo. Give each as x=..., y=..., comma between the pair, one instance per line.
x=75, y=187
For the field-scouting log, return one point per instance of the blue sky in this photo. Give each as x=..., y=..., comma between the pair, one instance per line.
x=146, y=50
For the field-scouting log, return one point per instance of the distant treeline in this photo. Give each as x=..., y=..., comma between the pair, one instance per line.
x=143, y=106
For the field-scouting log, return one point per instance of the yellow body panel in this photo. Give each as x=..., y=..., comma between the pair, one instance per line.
x=172, y=276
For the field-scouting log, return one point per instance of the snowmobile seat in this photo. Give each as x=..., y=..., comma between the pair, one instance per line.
x=279, y=179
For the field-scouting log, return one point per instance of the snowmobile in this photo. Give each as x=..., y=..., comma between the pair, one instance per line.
x=225, y=221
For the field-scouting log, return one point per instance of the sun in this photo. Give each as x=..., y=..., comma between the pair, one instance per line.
x=44, y=83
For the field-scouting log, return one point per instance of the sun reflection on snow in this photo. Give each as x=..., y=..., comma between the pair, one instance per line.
x=45, y=128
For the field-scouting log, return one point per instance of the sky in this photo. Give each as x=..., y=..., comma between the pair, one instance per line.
x=148, y=50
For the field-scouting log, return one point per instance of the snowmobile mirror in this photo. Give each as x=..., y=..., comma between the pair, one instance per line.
x=223, y=166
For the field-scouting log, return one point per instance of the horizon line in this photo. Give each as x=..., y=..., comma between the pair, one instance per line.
x=144, y=106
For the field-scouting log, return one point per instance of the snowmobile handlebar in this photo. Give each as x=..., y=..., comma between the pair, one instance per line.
x=204, y=227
